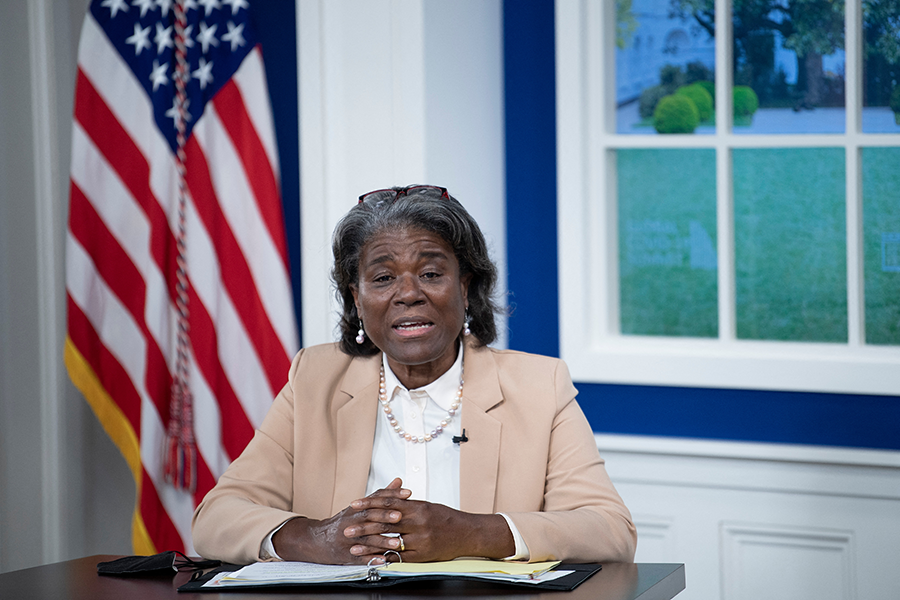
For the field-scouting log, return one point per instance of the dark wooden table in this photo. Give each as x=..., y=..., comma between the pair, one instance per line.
x=77, y=579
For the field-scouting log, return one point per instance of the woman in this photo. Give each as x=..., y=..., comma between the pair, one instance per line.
x=378, y=443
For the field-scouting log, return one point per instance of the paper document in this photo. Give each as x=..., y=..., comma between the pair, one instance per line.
x=265, y=573
x=469, y=567
x=295, y=572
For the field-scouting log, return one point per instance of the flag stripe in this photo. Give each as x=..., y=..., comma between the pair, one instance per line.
x=124, y=280
x=110, y=373
x=119, y=360
x=117, y=147
x=162, y=530
x=118, y=352
x=121, y=252
x=121, y=345
x=126, y=159
x=232, y=191
x=204, y=341
x=258, y=170
x=237, y=278
x=211, y=436
x=239, y=360
x=251, y=81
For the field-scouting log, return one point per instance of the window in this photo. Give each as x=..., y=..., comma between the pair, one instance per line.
x=729, y=199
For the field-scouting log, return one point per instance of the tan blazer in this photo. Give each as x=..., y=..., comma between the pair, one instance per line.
x=531, y=454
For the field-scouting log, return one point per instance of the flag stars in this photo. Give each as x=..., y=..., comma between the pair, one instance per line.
x=204, y=73
x=207, y=36
x=164, y=6
x=114, y=7
x=235, y=35
x=189, y=36
x=144, y=5
x=209, y=5
x=174, y=113
x=236, y=5
x=159, y=74
x=140, y=39
x=163, y=38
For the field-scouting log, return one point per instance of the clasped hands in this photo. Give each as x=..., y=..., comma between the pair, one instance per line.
x=430, y=532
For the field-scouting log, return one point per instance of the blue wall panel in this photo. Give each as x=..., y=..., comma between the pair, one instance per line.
x=745, y=415
x=530, y=105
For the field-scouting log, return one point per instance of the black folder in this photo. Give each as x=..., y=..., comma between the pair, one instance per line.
x=565, y=583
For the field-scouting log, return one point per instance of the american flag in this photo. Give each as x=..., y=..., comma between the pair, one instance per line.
x=130, y=174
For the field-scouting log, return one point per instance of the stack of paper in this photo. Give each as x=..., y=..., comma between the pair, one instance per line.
x=496, y=570
x=263, y=573
x=270, y=573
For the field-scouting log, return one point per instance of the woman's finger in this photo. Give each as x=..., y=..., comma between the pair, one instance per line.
x=375, y=544
x=394, y=490
x=372, y=522
x=394, y=500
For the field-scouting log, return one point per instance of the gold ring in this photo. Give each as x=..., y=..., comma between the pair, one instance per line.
x=402, y=545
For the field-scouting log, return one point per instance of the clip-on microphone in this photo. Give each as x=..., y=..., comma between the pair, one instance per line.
x=458, y=439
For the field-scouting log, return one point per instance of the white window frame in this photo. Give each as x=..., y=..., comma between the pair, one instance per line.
x=591, y=342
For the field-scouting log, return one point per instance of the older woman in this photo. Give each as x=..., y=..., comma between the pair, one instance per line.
x=411, y=434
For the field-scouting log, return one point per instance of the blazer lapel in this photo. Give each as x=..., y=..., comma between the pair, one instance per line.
x=355, y=430
x=479, y=459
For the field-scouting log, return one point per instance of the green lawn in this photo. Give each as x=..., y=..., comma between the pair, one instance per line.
x=667, y=241
x=790, y=244
x=881, y=230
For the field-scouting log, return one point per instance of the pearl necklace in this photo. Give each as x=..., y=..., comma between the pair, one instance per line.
x=386, y=407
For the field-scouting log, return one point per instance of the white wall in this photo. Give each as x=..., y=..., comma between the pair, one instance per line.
x=395, y=92
x=64, y=490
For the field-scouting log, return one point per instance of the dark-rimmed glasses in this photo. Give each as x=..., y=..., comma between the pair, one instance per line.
x=390, y=195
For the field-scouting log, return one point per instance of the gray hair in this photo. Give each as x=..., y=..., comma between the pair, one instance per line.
x=443, y=216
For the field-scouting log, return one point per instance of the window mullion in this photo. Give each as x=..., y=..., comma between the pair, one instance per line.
x=855, y=285
x=853, y=66
x=853, y=44
x=724, y=76
x=724, y=186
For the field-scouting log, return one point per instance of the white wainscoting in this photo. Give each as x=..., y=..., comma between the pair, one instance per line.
x=763, y=521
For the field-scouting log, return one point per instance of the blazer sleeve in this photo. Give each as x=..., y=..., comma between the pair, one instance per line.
x=583, y=518
x=254, y=495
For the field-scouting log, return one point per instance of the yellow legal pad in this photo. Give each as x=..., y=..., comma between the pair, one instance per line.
x=460, y=567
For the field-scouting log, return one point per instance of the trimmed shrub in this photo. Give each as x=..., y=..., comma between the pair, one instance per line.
x=701, y=99
x=710, y=87
x=650, y=98
x=745, y=101
x=676, y=114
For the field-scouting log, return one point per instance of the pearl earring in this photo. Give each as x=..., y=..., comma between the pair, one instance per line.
x=360, y=335
x=466, y=330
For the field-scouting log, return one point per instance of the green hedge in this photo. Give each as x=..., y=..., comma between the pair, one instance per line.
x=676, y=114
x=745, y=101
x=710, y=87
x=701, y=99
